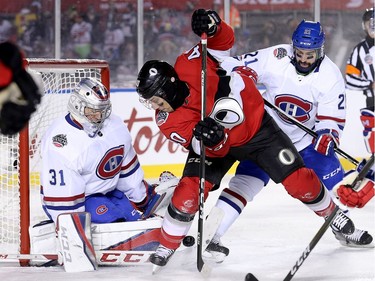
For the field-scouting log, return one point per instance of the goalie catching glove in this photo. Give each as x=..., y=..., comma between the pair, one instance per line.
x=205, y=21
x=355, y=198
x=19, y=94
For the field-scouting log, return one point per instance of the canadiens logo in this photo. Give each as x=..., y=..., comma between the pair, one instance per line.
x=102, y=209
x=59, y=140
x=161, y=117
x=295, y=106
x=280, y=53
x=110, y=164
x=368, y=59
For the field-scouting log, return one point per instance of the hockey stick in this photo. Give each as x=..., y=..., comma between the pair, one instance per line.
x=104, y=257
x=355, y=184
x=308, y=130
x=202, y=163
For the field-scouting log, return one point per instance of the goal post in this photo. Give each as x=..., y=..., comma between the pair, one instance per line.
x=20, y=203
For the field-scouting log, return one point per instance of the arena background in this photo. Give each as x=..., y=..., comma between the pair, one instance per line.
x=126, y=33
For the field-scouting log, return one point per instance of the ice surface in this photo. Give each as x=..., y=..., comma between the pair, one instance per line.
x=267, y=240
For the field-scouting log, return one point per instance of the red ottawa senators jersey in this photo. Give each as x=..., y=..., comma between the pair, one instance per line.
x=178, y=125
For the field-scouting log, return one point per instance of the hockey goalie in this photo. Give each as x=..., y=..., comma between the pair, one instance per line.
x=93, y=188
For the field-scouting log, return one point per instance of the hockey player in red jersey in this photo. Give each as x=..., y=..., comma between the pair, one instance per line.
x=236, y=128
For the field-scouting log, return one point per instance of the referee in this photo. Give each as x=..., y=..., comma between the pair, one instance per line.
x=360, y=65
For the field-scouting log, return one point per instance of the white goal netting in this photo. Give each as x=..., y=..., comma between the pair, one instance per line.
x=20, y=156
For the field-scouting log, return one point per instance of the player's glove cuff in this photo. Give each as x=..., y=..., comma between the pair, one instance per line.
x=326, y=141
x=205, y=21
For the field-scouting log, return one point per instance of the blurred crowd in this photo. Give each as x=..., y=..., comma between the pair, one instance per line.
x=111, y=34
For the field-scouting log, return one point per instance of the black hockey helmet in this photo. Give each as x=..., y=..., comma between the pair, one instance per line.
x=159, y=78
x=368, y=15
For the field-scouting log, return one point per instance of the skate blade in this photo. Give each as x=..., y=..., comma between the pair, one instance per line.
x=156, y=269
x=213, y=258
x=352, y=245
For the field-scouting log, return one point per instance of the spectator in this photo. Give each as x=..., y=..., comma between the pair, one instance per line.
x=81, y=35
x=6, y=30
x=113, y=40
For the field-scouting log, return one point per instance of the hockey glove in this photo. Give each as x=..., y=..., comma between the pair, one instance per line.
x=354, y=198
x=210, y=132
x=247, y=71
x=370, y=174
x=19, y=94
x=367, y=119
x=205, y=21
x=326, y=141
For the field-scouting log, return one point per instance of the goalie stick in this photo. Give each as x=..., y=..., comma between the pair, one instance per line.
x=104, y=257
x=355, y=184
x=308, y=130
x=202, y=163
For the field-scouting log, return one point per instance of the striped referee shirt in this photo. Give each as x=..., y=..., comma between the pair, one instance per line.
x=360, y=67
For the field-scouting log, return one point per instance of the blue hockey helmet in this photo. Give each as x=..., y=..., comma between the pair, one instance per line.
x=309, y=35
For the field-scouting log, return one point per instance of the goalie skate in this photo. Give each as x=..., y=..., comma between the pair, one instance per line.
x=358, y=239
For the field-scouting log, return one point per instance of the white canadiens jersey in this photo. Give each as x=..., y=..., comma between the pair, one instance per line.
x=317, y=99
x=75, y=165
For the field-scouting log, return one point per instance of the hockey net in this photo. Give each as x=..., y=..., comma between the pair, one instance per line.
x=20, y=202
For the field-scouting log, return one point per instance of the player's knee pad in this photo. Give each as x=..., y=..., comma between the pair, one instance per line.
x=246, y=186
x=186, y=194
x=303, y=184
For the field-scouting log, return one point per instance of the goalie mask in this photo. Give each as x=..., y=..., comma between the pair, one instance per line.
x=90, y=105
x=158, y=78
x=308, y=36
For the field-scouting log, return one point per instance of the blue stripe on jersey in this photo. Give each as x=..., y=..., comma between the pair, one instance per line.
x=132, y=171
x=65, y=208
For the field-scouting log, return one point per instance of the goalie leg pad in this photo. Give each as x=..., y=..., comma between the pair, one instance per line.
x=43, y=238
x=74, y=234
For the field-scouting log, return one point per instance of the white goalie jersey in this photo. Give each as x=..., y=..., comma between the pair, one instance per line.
x=317, y=99
x=75, y=165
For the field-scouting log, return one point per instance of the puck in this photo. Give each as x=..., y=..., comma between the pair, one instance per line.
x=250, y=277
x=188, y=241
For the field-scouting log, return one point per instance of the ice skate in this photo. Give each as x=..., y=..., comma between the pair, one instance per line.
x=161, y=256
x=216, y=252
x=342, y=224
x=358, y=239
